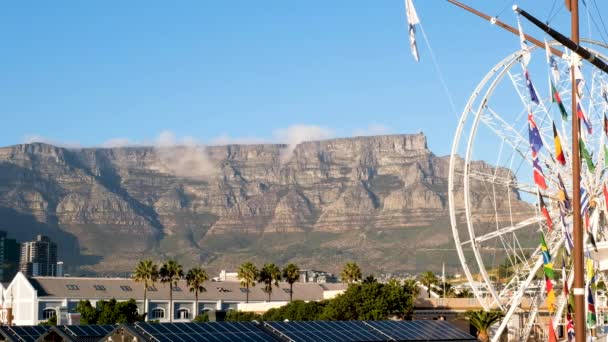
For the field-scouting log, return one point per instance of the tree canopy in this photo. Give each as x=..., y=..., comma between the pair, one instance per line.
x=108, y=312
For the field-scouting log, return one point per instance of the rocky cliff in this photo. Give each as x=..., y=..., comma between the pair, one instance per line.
x=372, y=199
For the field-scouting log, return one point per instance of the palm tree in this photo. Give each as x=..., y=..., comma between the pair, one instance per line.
x=291, y=274
x=351, y=273
x=146, y=272
x=247, y=274
x=482, y=321
x=269, y=275
x=171, y=272
x=428, y=279
x=195, y=278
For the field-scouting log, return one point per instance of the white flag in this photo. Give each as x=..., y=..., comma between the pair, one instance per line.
x=525, y=56
x=412, y=21
x=552, y=62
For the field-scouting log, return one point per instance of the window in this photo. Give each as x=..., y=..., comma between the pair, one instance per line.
x=157, y=313
x=48, y=313
x=72, y=287
x=177, y=289
x=152, y=288
x=99, y=287
x=183, y=314
x=126, y=288
x=244, y=290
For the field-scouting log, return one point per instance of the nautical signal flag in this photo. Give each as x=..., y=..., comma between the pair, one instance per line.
x=581, y=115
x=585, y=154
x=552, y=334
x=550, y=294
x=544, y=211
x=584, y=201
x=539, y=176
x=533, y=96
x=562, y=195
x=412, y=21
x=569, y=325
x=536, y=143
x=552, y=62
x=605, y=123
x=559, y=153
x=591, y=317
x=547, y=262
x=558, y=99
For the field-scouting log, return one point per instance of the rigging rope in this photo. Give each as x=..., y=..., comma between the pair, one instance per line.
x=439, y=73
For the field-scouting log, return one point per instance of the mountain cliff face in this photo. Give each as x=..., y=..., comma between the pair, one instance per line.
x=371, y=199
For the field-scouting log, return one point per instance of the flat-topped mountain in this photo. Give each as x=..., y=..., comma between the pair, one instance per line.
x=321, y=203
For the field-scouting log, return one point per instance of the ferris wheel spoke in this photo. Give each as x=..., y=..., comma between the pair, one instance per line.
x=509, y=229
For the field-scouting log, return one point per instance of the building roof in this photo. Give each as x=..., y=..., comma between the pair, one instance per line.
x=126, y=288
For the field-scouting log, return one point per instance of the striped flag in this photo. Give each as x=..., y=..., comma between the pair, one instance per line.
x=562, y=194
x=559, y=153
x=525, y=51
x=544, y=211
x=584, y=201
x=539, y=176
x=569, y=325
x=558, y=99
x=580, y=80
x=591, y=317
x=581, y=115
x=605, y=123
x=552, y=63
x=533, y=96
x=550, y=294
x=412, y=21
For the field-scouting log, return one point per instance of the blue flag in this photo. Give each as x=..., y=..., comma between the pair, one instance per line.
x=536, y=143
x=533, y=96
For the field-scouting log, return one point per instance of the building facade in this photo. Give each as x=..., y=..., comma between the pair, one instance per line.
x=39, y=257
x=9, y=258
x=36, y=299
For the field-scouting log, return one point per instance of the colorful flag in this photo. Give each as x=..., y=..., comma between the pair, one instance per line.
x=605, y=123
x=544, y=211
x=525, y=52
x=539, y=176
x=550, y=295
x=558, y=99
x=582, y=116
x=589, y=267
x=605, y=156
x=552, y=335
x=536, y=143
x=584, y=201
x=605, y=190
x=561, y=193
x=585, y=154
x=412, y=21
x=552, y=63
x=564, y=280
x=533, y=96
x=559, y=153
x=580, y=81
x=569, y=325
x=605, y=93
x=569, y=241
x=547, y=262
x=591, y=317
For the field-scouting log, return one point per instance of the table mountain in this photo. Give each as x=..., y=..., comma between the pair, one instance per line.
x=319, y=204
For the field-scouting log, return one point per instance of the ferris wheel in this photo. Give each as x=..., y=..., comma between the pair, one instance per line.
x=510, y=184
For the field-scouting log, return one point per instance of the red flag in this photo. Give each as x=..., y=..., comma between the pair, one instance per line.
x=605, y=124
x=544, y=211
x=605, y=197
x=539, y=176
x=552, y=334
x=559, y=154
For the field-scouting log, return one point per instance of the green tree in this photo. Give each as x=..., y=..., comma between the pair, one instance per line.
x=464, y=293
x=146, y=272
x=247, y=274
x=171, y=272
x=351, y=273
x=482, y=321
x=201, y=318
x=88, y=313
x=291, y=274
x=242, y=316
x=447, y=289
x=50, y=322
x=269, y=275
x=370, y=279
x=297, y=310
x=195, y=278
x=428, y=279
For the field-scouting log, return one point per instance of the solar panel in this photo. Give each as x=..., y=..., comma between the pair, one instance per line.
x=335, y=331
x=420, y=330
x=88, y=330
x=206, y=332
x=27, y=333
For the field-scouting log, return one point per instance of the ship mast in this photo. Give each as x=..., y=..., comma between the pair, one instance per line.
x=579, y=282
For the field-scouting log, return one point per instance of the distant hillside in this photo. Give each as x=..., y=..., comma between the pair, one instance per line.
x=376, y=200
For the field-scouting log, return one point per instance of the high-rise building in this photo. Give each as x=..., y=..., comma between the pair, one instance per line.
x=9, y=257
x=39, y=258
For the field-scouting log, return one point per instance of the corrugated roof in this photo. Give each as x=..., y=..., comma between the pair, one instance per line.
x=125, y=288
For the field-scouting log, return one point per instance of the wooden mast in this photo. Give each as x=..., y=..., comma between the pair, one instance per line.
x=578, y=289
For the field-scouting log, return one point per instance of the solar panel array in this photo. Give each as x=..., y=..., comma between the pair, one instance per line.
x=204, y=332
x=420, y=330
x=88, y=330
x=336, y=331
x=24, y=333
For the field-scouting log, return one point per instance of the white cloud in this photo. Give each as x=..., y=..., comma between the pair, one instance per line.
x=296, y=134
x=185, y=157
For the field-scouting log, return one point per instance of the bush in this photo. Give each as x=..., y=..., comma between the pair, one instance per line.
x=201, y=318
x=296, y=311
x=108, y=312
x=242, y=316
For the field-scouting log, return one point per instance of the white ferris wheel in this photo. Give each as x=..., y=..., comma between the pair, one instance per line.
x=494, y=200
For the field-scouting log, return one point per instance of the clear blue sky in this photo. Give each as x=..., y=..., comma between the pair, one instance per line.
x=86, y=72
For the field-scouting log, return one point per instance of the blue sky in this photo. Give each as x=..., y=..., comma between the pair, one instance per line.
x=86, y=73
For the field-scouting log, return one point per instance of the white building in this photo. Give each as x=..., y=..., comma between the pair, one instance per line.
x=37, y=299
